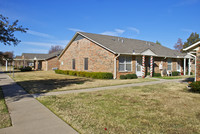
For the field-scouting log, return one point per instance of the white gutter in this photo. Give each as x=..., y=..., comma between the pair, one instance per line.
x=195, y=64
x=115, y=66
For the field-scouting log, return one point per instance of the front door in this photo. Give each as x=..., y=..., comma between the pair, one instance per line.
x=139, y=66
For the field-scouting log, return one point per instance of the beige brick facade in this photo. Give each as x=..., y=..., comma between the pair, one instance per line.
x=102, y=60
x=50, y=63
x=99, y=59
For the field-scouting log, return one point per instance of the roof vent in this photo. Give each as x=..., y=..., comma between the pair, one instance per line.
x=133, y=51
x=118, y=39
x=122, y=40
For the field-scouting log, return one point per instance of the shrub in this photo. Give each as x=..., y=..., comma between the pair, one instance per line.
x=123, y=77
x=95, y=75
x=195, y=86
x=25, y=69
x=175, y=73
x=131, y=76
x=157, y=74
x=128, y=76
x=190, y=73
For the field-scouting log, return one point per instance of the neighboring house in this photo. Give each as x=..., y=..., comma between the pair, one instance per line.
x=194, y=51
x=51, y=61
x=102, y=53
x=38, y=61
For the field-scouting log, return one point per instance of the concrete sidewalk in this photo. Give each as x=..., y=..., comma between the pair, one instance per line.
x=108, y=87
x=27, y=114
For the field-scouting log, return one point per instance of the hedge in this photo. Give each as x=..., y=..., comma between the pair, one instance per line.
x=195, y=86
x=25, y=69
x=128, y=76
x=155, y=74
x=95, y=75
x=175, y=73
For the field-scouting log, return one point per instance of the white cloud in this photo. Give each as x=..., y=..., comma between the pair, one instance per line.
x=36, y=50
x=187, y=30
x=134, y=29
x=44, y=44
x=39, y=34
x=116, y=32
x=75, y=30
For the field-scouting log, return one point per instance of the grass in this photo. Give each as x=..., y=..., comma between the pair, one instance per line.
x=4, y=114
x=175, y=77
x=161, y=108
x=46, y=81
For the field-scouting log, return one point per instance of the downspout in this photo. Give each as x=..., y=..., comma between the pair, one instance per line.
x=195, y=64
x=115, y=66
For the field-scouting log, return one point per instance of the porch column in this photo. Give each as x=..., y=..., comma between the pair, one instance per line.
x=143, y=66
x=36, y=65
x=6, y=65
x=46, y=65
x=151, y=66
x=189, y=67
x=184, y=66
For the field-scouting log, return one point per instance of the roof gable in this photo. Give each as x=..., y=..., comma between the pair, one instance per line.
x=148, y=52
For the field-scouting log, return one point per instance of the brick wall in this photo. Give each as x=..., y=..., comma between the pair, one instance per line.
x=44, y=66
x=50, y=63
x=53, y=63
x=99, y=59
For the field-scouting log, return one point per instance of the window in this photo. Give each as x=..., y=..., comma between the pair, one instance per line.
x=125, y=63
x=178, y=66
x=85, y=63
x=169, y=64
x=73, y=64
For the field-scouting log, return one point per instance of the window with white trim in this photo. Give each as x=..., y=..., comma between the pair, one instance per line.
x=125, y=63
x=178, y=66
x=169, y=64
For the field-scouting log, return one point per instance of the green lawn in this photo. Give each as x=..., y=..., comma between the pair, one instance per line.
x=160, y=108
x=176, y=77
x=4, y=114
x=46, y=81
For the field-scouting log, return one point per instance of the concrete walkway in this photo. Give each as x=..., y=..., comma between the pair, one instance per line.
x=108, y=87
x=27, y=114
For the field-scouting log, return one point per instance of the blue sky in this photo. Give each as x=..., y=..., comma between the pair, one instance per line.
x=54, y=22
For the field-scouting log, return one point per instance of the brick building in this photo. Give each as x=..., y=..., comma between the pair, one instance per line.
x=38, y=61
x=194, y=51
x=102, y=53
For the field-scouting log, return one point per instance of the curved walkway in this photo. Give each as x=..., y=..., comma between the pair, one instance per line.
x=108, y=87
x=27, y=114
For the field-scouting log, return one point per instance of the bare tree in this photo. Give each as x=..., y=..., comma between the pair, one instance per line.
x=179, y=45
x=55, y=48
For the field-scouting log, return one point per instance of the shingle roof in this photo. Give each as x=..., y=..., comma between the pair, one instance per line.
x=40, y=56
x=127, y=46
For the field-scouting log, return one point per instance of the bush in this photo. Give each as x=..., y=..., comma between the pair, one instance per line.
x=188, y=73
x=123, y=77
x=25, y=69
x=95, y=75
x=128, y=76
x=175, y=73
x=195, y=86
x=157, y=75
x=131, y=76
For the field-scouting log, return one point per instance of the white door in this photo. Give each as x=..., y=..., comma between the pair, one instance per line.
x=178, y=66
x=139, y=66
